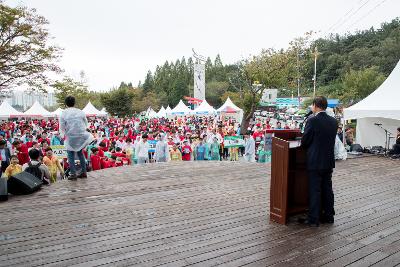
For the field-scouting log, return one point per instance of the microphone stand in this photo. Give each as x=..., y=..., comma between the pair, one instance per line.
x=388, y=137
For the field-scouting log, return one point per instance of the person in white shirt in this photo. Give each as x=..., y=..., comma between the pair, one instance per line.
x=142, y=150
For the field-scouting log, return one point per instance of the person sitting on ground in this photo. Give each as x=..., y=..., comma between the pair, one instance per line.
x=36, y=168
x=52, y=162
x=95, y=159
x=14, y=167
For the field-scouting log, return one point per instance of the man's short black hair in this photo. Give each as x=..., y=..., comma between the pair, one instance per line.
x=16, y=142
x=34, y=154
x=145, y=136
x=3, y=142
x=70, y=101
x=320, y=102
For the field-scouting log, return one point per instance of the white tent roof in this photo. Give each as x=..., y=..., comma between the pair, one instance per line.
x=382, y=103
x=229, y=103
x=181, y=108
x=104, y=112
x=204, y=108
x=57, y=112
x=162, y=113
x=152, y=113
x=37, y=111
x=168, y=109
x=90, y=110
x=7, y=111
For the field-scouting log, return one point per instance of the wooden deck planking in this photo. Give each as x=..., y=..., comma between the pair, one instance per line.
x=200, y=214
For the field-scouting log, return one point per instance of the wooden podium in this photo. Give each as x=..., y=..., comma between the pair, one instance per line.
x=289, y=181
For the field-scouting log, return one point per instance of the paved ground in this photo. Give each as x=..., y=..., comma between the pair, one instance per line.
x=201, y=214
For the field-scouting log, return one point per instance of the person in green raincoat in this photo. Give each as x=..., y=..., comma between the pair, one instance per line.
x=214, y=150
x=262, y=154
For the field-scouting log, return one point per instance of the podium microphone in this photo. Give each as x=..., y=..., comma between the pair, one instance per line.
x=378, y=124
x=308, y=114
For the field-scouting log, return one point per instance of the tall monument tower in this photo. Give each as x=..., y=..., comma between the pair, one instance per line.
x=199, y=76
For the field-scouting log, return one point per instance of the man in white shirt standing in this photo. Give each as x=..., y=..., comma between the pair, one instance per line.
x=142, y=150
x=73, y=125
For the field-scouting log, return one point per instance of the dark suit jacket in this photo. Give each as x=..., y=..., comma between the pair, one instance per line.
x=319, y=140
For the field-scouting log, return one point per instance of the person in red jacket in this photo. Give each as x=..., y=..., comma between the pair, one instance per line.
x=22, y=149
x=95, y=159
x=186, y=151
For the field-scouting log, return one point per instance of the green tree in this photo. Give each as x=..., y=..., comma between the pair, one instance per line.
x=358, y=84
x=25, y=54
x=118, y=102
x=67, y=87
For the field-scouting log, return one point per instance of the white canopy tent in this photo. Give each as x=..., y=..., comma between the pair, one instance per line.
x=91, y=111
x=103, y=112
x=7, y=111
x=180, y=110
x=230, y=109
x=168, y=110
x=162, y=113
x=57, y=112
x=204, y=109
x=380, y=107
x=38, y=111
x=152, y=113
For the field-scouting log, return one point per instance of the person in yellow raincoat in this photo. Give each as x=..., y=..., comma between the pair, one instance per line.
x=52, y=162
x=14, y=167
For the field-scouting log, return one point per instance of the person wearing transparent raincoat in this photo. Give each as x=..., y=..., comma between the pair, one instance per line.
x=73, y=125
x=162, y=150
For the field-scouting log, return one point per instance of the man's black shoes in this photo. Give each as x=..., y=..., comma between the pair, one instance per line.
x=306, y=222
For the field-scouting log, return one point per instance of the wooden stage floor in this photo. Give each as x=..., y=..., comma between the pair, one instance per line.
x=200, y=214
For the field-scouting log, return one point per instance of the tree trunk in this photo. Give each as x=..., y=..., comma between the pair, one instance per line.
x=246, y=121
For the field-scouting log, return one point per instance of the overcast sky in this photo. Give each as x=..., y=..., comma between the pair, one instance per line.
x=120, y=40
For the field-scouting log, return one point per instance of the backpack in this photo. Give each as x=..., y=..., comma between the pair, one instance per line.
x=34, y=170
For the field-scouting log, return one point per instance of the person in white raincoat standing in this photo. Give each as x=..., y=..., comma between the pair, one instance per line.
x=249, y=148
x=162, y=149
x=73, y=125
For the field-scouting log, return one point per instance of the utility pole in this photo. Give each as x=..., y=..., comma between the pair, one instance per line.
x=316, y=54
x=298, y=76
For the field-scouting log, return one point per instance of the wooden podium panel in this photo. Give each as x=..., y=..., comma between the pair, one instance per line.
x=289, y=184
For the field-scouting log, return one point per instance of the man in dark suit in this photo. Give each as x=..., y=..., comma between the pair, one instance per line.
x=319, y=140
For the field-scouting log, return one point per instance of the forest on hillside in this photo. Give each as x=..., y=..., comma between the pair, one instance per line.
x=349, y=67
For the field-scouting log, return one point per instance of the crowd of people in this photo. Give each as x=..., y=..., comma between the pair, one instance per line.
x=115, y=142
x=101, y=143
